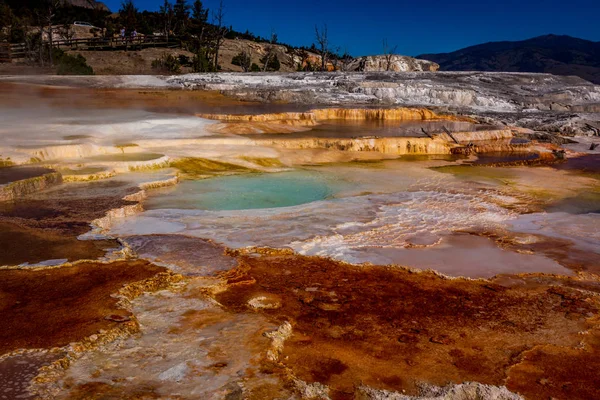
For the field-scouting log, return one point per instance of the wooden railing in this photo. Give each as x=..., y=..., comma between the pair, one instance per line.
x=127, y=43
x=14, y=51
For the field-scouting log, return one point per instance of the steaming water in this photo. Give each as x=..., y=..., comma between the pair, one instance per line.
x=62, y=126
x=392, y=212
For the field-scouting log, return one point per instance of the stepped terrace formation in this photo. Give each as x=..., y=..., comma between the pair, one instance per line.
x=314, y=236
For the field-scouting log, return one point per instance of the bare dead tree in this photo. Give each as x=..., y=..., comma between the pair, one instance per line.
x=31, y=40
x=66, y=31
x=388, y=53
x=322, y=38
x=270, y=50
x=45, y=16
x=221, y=31
x=248, y=56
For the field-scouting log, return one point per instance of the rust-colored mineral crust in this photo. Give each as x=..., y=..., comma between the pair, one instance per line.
x=390, y=328
x=45, y=226
x=52, y=307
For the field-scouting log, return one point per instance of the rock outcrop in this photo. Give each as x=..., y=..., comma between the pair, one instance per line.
x=291, y=59
x=395, y=63
x=256, y=50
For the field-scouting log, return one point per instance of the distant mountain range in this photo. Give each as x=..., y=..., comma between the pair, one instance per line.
x=92, y=4
x=559, y=55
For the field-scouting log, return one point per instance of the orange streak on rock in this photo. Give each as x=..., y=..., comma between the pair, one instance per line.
x=390, y=328
x=356, y=114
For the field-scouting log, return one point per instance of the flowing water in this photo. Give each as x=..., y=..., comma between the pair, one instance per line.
x=453, y=214
x=422, y=212
x=352, y=129
x=396, y=212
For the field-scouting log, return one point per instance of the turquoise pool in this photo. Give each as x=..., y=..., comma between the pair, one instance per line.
x=248, y=191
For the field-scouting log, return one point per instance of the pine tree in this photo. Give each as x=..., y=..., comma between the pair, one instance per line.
x=128, y=14
x=270, y=63
x=242, y=59
x=182, y=15
x=199, y=13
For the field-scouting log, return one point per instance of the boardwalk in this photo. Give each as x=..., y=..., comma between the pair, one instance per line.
x=129, y=43
x=15, y=51
x=11, y=51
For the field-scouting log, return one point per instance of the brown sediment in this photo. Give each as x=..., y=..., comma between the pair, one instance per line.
x=588, y=163
x=178, y=101
x=17, y=371
x=391, y=328
x=52, y=307
x=46, y=225
x=494, y=146
x=29, y=245
x=105, y=391
x=100, y=390
x=548, y=372
x=563, y=251
x=515, y=159
x=11, y=174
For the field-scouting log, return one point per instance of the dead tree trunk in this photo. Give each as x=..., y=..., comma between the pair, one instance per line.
x=322, y=38
x=388, y=53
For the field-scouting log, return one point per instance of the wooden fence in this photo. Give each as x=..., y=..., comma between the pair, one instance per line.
x=128, y=43
x=14, y=51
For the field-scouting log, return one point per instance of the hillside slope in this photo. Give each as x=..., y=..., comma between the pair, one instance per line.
x=92, y=4
x=559, y=55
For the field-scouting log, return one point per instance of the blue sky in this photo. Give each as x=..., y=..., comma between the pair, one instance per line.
x=416, y=27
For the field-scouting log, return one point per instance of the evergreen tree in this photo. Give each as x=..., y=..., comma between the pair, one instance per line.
x=202, y=62
x=167, y=14
x=182, y=15
x=270, y=63
x=197, y=26
x=243, y=60
x=128, y=14
x=199, y=13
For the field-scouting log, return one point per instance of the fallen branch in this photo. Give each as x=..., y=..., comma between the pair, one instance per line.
x=450, y=134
